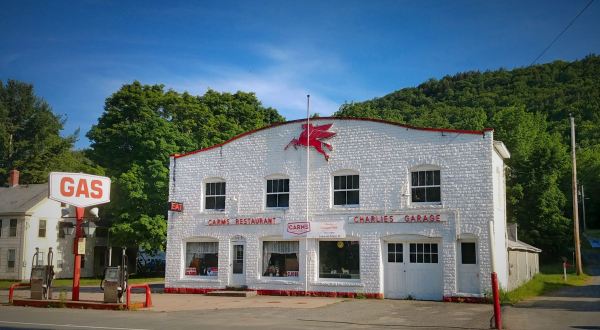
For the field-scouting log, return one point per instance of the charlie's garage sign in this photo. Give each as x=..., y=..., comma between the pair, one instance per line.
x=79, y=189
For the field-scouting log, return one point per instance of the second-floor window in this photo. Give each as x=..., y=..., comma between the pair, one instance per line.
x=278, y=193
x=345, y=190
x=425, y=186
x=215, y=196
x=12, y=232
x=42, y=229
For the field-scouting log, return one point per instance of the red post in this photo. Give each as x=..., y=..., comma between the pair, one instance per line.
x=11, y=290
x=496, y=295
x=77, y=261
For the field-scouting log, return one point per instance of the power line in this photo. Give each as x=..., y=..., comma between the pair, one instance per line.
x=562, y=32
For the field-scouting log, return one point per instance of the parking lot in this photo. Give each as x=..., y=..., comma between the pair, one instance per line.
x=182, y=311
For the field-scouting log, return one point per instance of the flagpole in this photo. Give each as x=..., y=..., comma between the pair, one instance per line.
x=307, y=187
x=307, y=149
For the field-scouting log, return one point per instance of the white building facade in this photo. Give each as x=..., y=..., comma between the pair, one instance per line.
x=386, y=211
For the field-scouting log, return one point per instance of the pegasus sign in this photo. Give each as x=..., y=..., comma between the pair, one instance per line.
x=313, y=136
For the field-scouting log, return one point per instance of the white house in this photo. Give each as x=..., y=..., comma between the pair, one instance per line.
x=29, y=220
x=383, y=210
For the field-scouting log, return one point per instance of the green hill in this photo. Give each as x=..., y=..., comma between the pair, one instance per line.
x=529, y=109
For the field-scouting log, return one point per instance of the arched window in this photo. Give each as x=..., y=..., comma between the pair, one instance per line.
x=425, y=184
x=214, y=194
x=278, y=191
x=346, y=188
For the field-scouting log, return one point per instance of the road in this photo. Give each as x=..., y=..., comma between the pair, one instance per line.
x=574, y=307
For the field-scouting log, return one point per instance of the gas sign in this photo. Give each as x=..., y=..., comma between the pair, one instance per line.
x=79, y=189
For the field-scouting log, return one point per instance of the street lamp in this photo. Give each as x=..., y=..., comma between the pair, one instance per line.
x=89, y=228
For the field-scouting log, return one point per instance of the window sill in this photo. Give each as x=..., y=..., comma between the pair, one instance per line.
x=277, y=280
x=211, y=211
x=203, y=279
x=325, y=282
x=423, y=205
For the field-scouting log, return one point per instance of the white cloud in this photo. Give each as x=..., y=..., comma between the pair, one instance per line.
x=283, y=83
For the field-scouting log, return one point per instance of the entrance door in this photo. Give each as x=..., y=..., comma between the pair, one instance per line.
x=413, y=270
x=468, y=268
x=238, y=276
x=395, y=272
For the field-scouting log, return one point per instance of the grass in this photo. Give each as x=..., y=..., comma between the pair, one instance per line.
x=549, y=279
x=67, y=282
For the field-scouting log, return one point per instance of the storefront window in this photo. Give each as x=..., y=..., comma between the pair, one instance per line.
x=339, y=259
x=201, y=258
x=280, y=259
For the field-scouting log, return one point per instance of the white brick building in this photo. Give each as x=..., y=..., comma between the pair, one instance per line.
x=395, y=212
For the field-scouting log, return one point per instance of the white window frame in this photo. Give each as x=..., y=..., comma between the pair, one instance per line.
x=333, y=190
x=202, y=278
x=16, y=227
x=424, y=168
x=360, y=261
x=262, y=256
x=276, y=177
x=40, y=228
x=14, y=266
x=205, y=194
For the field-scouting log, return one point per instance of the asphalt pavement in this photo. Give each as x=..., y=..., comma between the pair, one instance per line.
x=573, y=307
x=177, y=311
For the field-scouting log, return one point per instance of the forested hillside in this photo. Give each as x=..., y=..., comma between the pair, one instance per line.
x=529, y=110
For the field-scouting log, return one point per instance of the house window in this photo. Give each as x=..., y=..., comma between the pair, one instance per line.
x=345, y=190
x=424, y=253
x=278, y=193
x=215, y=196
x=280, y=259
x=395, y=252
x=202, y=258
x=339, y=259
x=468, y=254
x=425, y=186
x=13, y=228
x=11, y=258
x=42, y=228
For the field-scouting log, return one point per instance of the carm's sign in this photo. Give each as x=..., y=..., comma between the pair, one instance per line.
x=79, y=189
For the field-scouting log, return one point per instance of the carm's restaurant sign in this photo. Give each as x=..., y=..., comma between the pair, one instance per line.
x=314, y=229
x=421, y=217
x=242, y=221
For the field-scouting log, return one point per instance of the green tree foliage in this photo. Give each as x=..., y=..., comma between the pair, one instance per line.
x=528, y=108
x=30, y=138
x=142, y=125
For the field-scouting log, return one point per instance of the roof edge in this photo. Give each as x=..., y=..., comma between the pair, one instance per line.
x=430, y=129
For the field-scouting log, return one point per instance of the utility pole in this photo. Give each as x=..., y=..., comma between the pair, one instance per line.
x=578, y=266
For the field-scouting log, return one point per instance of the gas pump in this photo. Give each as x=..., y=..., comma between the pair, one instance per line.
x=41, y=276
x=114, y=281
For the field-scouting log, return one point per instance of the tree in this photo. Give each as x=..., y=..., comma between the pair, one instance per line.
x=30, y=139
x=142, y=125
x=528, y=108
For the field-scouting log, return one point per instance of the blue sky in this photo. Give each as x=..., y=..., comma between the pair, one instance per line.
x=77, y=53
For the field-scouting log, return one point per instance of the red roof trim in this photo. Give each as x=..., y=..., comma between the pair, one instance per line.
x=444, y=130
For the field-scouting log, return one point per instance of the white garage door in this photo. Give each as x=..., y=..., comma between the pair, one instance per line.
x=413, y=269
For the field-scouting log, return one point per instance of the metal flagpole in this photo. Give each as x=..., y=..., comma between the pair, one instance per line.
x=307, y=187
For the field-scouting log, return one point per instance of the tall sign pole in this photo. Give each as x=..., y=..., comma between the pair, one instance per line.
x=578, y=265
x=79, y=211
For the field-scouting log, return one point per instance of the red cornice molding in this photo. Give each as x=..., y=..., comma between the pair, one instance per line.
x=430, y=129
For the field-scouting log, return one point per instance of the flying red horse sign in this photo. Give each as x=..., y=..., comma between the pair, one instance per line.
x=315, y=139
